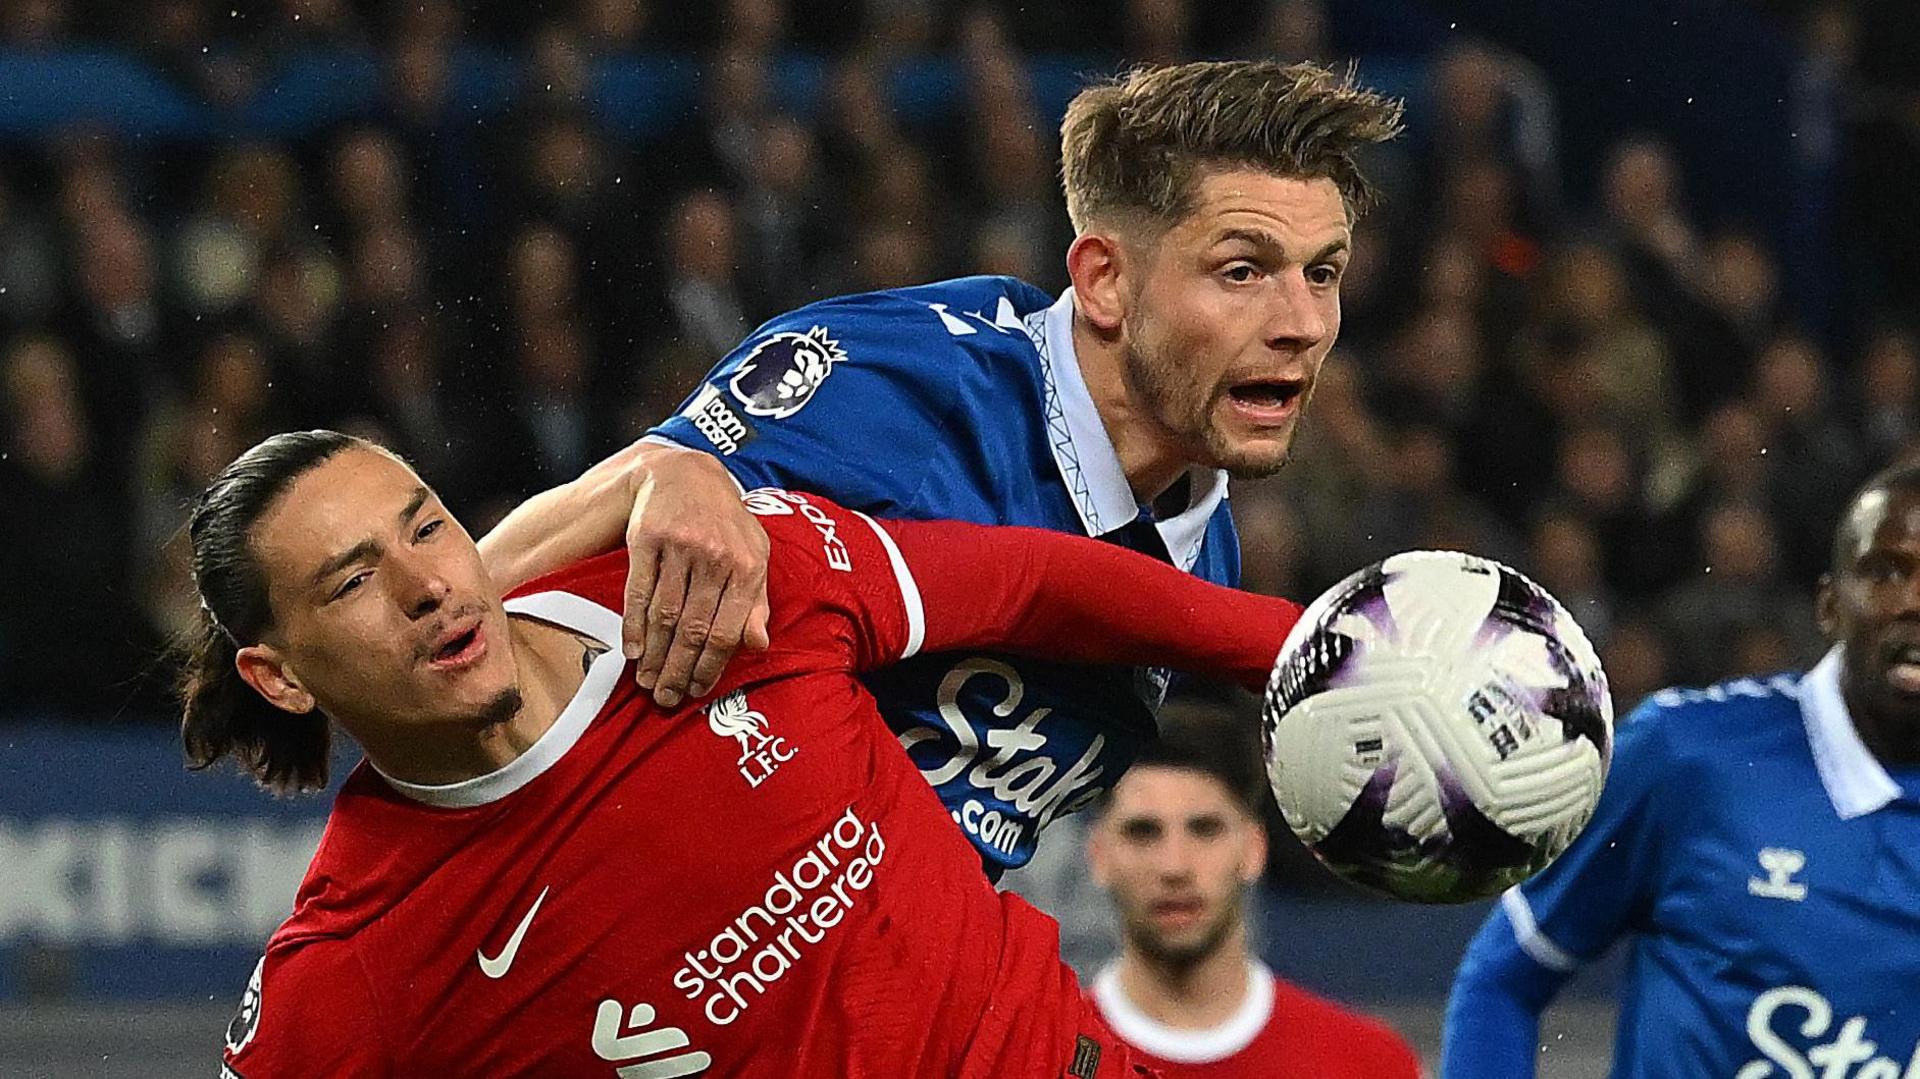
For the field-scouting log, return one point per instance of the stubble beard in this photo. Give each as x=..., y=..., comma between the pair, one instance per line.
x=1178, y=957
x=1184, y=412
x=500, y=711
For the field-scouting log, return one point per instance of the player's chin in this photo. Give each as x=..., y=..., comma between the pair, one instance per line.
x=1256, y=444
x=1183, y=945
x=485, y=706
x=1251, y=455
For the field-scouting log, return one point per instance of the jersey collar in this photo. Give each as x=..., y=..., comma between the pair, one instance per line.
x=1084, y=451
x=1179, y=1045
x=1856, y=782
x=572, y=612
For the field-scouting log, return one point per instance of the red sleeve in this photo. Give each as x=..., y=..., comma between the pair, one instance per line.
x=1078, y=599
x=910, y=586
x=308, y=1011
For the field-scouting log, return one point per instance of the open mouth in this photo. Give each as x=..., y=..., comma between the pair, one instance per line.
x=458, y=650
x=1903, y=667
x=1269, y=399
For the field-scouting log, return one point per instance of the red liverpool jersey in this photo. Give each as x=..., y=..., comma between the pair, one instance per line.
x=755, y=884
x=1280, y=1032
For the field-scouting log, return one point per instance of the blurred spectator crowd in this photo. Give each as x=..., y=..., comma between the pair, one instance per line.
x=1615, y=391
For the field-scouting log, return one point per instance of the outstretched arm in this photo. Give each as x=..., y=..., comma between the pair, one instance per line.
x=1073, y=598
x=911, y=586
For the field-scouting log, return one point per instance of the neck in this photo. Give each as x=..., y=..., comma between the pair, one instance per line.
x=1889, y=743
x=1149, y=455
x=1191, y=996
x=550, y=671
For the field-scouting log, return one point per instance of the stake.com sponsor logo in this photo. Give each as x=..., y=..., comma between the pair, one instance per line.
x=764, y=941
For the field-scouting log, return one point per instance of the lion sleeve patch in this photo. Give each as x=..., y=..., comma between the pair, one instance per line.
x=784, y=371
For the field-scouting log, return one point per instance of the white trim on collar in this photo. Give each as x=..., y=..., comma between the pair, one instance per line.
x=571, y=612
x=1084, y=451
x=1180, y=1046
x=1856, y=782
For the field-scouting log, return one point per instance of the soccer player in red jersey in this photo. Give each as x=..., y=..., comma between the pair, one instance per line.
x=538, y=872
x=1176, y=845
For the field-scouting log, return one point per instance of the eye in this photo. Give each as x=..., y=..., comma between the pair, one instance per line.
x=1208, y=828
x=1241, y=272
x=1886, y=571
x=351, y=584
x=428, y=529
x=1324, y=274
x=1140, y=831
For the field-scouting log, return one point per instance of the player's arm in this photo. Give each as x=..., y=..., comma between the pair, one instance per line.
x=843, y=398
x=678, y=512
x=1543, y=930
x=947, y=586
x=310, y=1012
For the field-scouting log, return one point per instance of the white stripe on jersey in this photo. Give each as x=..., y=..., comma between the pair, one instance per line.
x=909, y=589
x=1526, y=932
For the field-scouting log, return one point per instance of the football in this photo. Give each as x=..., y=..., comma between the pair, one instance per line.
x=1437, y=727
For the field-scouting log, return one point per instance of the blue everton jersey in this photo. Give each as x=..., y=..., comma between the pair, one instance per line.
x=1766, y=868
x=962, y=400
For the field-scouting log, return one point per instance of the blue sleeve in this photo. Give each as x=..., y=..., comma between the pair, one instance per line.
x=848, y=398
x=1493, y=1013
x=1545, y=928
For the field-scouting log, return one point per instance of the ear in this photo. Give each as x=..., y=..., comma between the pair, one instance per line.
x=1826, y=607
x=267, y=671
x=1097, y=264
x=1253, y=859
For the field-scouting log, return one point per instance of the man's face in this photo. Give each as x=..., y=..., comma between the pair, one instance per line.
x=1233, y=314
x=1870, y=605
x=1176, y=852
x=383, y=613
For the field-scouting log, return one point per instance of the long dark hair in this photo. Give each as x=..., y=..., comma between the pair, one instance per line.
x=221, y=714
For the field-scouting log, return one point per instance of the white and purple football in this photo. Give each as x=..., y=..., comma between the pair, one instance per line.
x=1437, y=727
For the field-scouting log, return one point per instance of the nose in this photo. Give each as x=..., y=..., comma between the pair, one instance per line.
x=1176, y=860
x=425, y=588
x=1299, y=320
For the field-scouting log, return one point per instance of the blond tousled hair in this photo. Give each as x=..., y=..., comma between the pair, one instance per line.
x=1133, y=148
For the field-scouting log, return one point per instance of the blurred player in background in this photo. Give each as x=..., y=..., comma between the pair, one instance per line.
x=1177, y=844
x=1760, y=842
x=1213, y=205
x=539, y=871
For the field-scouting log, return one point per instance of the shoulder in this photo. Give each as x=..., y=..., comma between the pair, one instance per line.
x=1680, y=716
x=1687, y=734
x=1296, y=1007
x=337, y=896
x=977, y=297
x=983, y=318
x=599, y=581
x=1735, y=696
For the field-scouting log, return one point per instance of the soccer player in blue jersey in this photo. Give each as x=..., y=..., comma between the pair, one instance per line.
x=1759, y=844
x=1213, y=205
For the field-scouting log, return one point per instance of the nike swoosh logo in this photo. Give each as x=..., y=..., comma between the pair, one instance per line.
x=498, y=965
